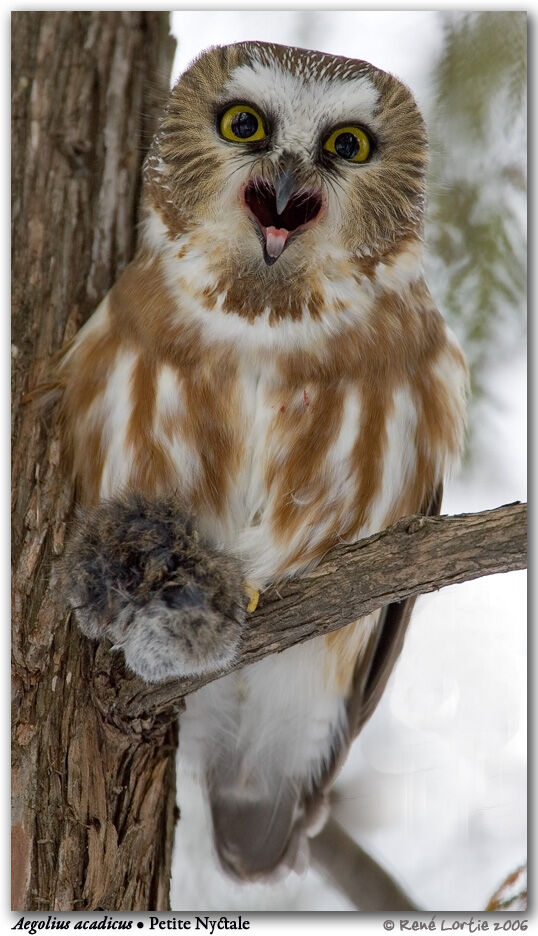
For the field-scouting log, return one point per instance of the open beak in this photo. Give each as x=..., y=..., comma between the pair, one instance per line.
x=280, y=211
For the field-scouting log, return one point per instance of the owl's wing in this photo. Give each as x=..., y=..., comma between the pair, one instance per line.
x=284, y=810
x=372, y=671
x=376, y=664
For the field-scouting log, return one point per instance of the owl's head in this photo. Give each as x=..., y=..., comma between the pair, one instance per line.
x=280, y=155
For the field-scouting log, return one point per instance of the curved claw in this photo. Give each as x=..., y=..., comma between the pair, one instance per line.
x=253, y=595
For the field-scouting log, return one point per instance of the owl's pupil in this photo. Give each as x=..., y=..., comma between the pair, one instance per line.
x=346, y=145
x=244, y=125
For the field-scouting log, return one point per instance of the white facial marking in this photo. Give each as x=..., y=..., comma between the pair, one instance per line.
x=304, y=103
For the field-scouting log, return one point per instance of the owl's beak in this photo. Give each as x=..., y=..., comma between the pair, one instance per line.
x=280, y=211
x=285, y=185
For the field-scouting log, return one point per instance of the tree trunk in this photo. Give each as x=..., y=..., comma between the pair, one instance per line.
x=93, y=790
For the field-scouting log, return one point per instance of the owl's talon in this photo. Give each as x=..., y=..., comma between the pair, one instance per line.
x=137, y=576
x=254, y=596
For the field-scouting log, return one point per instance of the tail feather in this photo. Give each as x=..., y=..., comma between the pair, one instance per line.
x=258, y=831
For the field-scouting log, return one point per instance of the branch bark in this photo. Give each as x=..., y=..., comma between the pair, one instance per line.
x=416, y=556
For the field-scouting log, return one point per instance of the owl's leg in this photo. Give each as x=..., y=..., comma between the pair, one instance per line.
x=136, y=572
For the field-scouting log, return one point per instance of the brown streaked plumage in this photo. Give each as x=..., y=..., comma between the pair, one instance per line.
x=272, y=361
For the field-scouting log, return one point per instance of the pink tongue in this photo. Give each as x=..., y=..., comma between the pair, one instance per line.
x=275, y=241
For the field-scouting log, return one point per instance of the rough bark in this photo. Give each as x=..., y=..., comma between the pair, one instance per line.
x=93, y=800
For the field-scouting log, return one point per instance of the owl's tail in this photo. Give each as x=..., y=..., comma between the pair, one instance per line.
x=258, y=833
x=261, y=829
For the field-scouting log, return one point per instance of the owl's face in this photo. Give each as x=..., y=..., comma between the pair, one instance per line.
x=283, y=156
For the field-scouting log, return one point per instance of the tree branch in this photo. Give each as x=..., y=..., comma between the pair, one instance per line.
x=416, y=556
x=355, y=873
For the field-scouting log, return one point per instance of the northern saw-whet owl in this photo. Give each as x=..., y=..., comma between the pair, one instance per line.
x=268, y=377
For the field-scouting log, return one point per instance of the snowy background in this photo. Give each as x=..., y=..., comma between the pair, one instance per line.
x=435, y=787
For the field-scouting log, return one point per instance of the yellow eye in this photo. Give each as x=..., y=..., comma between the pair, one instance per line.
x=241, y=123
x=349, y=143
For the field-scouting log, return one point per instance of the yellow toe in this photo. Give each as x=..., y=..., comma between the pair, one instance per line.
x=254, y=597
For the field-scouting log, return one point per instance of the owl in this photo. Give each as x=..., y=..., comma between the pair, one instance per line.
x=267, y=378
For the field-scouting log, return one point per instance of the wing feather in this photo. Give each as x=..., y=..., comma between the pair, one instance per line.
x=375, y=665
x=372, y=671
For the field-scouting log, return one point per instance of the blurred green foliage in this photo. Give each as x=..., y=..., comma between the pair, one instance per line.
x=476, y=229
